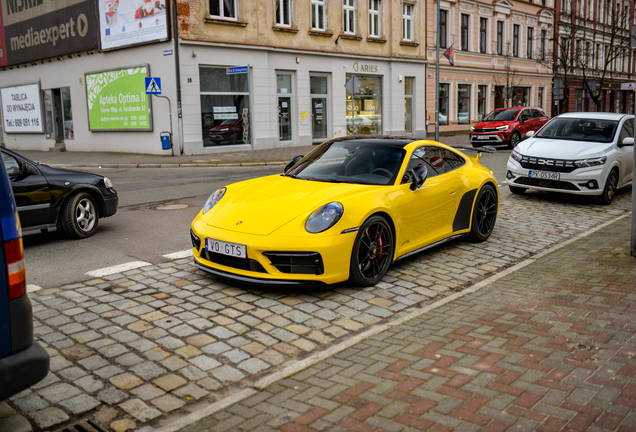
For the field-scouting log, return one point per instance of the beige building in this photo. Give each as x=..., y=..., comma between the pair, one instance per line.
x=502, y=58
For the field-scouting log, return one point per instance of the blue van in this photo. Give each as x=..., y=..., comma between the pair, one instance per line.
x=23, y=361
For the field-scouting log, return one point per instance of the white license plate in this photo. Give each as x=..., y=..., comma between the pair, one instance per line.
x=224, y=248
x=483, y=137
x=544, y=175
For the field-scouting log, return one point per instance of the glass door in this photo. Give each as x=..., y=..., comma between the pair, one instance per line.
x=319, y=98
x=284, y=93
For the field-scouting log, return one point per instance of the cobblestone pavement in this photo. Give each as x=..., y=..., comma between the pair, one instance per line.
x=549, y=347
x=145, y=347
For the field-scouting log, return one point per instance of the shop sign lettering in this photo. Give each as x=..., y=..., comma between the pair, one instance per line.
x=359, y=67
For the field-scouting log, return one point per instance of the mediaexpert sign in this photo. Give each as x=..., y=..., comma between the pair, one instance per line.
x=38, y=29
x=22, y=109
x=117, y=100
x=132, y=22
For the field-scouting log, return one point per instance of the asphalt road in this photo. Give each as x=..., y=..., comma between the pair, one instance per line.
x=155, y=210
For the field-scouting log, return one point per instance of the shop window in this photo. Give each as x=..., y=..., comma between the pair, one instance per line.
x=520, y=96
x=463, y=103
x=223, y=9
x=408, y=104
x=225, y=107
x=318, y=20
x=443, y=104
x=483, y=25
x=349, y=16
x=58, y=114
x=364, y=109
x=529, y=42
x=482, y=91
x=500, y=33
x=407, y=22
x=443, y=28
x=374, y=18
x=464, y=32
x=283, y=13
x=515, y=40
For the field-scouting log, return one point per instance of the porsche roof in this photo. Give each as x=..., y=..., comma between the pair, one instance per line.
x=383, y=140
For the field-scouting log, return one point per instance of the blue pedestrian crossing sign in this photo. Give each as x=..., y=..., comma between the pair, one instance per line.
x=153, y=85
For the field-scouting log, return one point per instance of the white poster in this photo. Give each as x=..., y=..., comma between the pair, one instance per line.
x=131, y=22
x=22, y=109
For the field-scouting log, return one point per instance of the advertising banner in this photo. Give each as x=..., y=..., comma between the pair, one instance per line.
x=22, y=109
x=132, y=22
x=117, y=100
x=38, y=29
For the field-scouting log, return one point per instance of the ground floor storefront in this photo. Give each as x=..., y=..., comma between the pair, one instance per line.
x=617, y=96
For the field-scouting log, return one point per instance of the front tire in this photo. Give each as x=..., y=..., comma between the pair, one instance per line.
x=372, y=252
x=484, y=214
x=610, y=188
x=515, y=139
x=80, y=216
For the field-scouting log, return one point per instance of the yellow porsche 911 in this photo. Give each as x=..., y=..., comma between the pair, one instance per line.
x=345, y=211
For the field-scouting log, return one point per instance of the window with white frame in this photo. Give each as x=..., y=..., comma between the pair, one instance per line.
x=543, y=38
x=500, y=37
x=283, y=13
x=601, y=11
x=374, y=18
x=529, y=42
x=590, y=9
x=407, y=22
x=349, y=16
x=443, y=28
x=483, y=26
x=598, y=55
x=225, y=9
x=318, y=20
x=465, y=19
x=515, y=40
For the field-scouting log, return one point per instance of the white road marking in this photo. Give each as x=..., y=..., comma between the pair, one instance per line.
x=33, y=288
x=179, y=255
x=117, y=269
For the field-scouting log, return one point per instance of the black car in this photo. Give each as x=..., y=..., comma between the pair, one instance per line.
x=49, y=197
x=23, y=361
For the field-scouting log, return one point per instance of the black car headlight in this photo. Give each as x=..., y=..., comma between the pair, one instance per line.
x=108, y=183
x=590, y=162
x=516, y=155
x=324, y=218
x=213, y=200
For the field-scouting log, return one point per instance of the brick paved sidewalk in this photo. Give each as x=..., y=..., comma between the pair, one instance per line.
x=549, y=347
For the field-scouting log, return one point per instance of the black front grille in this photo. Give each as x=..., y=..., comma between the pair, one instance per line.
x=485, y=130
x=551, y=184
x=554, y=165
x=196, y=241
x=297, y=262
x=234, y=262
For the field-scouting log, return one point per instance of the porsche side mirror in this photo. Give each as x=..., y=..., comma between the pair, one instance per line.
x=292, y=162
x=628, y=141
x=530, y=134
x=418, y=174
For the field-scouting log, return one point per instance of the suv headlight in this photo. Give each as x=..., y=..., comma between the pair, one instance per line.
x=502, y=128
x=516, y=155
x=213, y=200
x=472, y=128
x=324, y=218
x=590, y=162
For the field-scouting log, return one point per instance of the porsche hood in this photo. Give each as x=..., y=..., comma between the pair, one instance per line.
x=263, y=205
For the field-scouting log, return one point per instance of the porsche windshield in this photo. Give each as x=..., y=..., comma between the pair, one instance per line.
x=576, y=129
x=502, y=115
x=351, y=162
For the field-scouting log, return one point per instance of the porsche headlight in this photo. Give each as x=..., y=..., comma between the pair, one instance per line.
x=324, y=218
x=516, y=155
x=590, y=162
x=502, y=128
x=213, y=200
x=108, y=183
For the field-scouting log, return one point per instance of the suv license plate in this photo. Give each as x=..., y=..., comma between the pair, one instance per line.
x=544, y=175
x=224, y=248
x=481, y=137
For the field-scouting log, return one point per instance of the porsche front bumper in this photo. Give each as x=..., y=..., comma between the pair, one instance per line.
x=318, y=258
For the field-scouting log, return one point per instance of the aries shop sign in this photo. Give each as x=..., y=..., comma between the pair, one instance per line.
x=37, y=29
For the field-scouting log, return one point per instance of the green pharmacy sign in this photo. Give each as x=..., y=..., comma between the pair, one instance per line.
x=117, y=100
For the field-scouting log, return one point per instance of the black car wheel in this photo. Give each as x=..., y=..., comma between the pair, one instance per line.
x=515, y=139
x=484, y=214
x=80, y=216
x=372, y=252
x=610, y=188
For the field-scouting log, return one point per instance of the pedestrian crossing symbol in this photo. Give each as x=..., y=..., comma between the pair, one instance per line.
x=153, y=85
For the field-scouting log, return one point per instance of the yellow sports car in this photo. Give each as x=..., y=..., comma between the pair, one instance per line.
x=345, y=211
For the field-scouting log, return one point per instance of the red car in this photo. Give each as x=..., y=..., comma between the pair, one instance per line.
x=507, y=126
x=230, y=131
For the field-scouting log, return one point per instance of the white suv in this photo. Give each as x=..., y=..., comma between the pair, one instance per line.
x=579, y=153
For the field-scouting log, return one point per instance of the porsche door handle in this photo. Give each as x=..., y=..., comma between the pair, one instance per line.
x=452, y=192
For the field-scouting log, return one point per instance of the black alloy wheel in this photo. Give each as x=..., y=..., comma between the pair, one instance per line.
x=515, y=139
x=610, y=188
x=372, y=252
x=484, y=214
